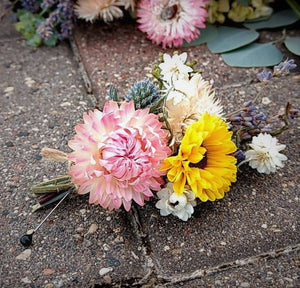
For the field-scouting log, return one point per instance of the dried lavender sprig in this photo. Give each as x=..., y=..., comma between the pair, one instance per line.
x=45, y=30
x=239, y=155
x=66, y=9
x=47, y=4
x=30, y=5
x=66, y=29
x=264, y=76
x=284, y=67
x=248, y=122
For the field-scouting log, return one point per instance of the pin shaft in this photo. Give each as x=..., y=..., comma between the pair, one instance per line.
x=61, y=200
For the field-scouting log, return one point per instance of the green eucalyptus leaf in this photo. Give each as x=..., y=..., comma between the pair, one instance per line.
x=244, y=2
x=207, y=34
x=253, y=55
x=279, y=19
x=295, y=6
x=293, y=45
x=230, y=38
x=262, y=18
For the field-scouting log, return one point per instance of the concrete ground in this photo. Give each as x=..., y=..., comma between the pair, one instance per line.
x=248, y=239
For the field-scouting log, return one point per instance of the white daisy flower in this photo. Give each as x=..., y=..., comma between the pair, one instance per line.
x=265, y=154
x=91, y=10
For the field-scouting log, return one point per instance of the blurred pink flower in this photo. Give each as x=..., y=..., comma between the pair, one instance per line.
x=117, y=155
x=170, y=22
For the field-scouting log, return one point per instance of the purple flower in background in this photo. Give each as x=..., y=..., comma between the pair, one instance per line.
x=284, y=67
x=46, y=4
x=249, y=122
x=30, y=5
x=264, y=76
x=239, y=155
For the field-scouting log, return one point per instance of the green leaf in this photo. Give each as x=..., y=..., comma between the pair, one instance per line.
x=34, y=41
x=279, y=19
x=20, y=26
x=207, y=34
x=244, y=2
x=230, y=38
x=253, y=55
x=295, y=6
x=293, y=44
x=51, y=41
x=28, y=23
x=262, y=18
x=21, y=12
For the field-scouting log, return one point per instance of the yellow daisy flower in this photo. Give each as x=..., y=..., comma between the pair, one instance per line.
x=204, y=161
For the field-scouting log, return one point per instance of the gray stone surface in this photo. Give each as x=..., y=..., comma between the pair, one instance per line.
x=248, y=239
x=279, y=271
x=261, y=213
x=42, y=99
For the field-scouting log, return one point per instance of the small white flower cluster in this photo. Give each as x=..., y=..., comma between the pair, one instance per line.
x=187, y=97
x=177, y=205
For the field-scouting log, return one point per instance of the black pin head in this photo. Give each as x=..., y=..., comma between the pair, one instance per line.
x=26, y=240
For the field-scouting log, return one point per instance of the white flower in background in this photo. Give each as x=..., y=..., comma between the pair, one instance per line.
x=129, y=4
x=174, y=68
x=177, y=205
x=91, y=10
x=260, y=9
x=265, y=154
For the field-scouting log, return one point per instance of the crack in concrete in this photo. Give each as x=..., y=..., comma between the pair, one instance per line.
x=154, y=279
x=82, y=71
x=229, y=265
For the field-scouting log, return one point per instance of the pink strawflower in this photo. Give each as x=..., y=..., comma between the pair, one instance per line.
x=170, y=22
x=117, y=155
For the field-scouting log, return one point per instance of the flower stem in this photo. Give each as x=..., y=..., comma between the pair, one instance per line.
x=55, y=185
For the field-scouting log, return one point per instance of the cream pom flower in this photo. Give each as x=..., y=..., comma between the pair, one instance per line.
x=107, y=10
x=265, y=154
x=177, y=205
x=260, y=9
x=239, y=13
x=187, y=102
